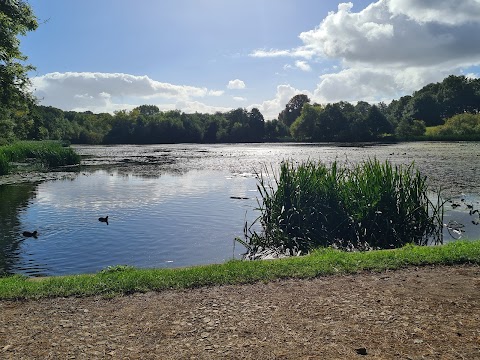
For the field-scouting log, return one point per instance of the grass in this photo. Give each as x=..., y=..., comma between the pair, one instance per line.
x=119, y=280
x=48, y=154
x=371, y=205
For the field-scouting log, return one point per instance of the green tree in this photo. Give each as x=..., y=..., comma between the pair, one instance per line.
x=293, y=109
x=16, y=18
x=461, y=125
x=303, y=128
x=410, y=128
x=256, y=123
x=147, y=110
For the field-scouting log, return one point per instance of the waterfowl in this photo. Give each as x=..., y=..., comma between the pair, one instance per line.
x=103, y=219
x=30, y=234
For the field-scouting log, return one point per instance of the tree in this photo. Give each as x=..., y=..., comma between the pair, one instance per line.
x=147, y=110
x=377, y=122
x=333, y=122
x=257, y=125
x=424, y=106
x=293, y=109
x=407, y=129
x=461, y=125
x=303, y=128
x=16, y=18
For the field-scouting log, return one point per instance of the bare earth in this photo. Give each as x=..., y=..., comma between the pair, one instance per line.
x=426, y=313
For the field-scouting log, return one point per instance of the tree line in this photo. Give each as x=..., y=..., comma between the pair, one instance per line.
x=431, y=108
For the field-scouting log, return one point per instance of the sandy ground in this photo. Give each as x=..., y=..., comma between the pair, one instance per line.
x=426, y=313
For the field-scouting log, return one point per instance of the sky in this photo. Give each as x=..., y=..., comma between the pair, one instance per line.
x=217, y=55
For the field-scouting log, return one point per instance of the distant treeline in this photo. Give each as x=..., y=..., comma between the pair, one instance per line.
x=431, y=108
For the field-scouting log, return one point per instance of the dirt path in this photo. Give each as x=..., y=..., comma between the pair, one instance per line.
x=427, y=313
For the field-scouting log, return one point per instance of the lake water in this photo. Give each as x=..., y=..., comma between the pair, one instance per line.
x=182, y=205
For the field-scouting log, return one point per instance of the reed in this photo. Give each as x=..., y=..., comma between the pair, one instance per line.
x=49, y=154
x=4, y=164
x=371, y=205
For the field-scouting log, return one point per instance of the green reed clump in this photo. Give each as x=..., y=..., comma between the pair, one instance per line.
x=372, y=205
x=48, y=153
x=4, y=164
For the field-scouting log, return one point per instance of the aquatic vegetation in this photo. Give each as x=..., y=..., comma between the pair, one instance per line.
x=371, y=205
x=49, y=154
x=4, y=164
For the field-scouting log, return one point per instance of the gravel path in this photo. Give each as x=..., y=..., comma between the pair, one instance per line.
x=426, y=313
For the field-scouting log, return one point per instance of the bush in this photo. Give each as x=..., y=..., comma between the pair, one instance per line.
x=367, y=206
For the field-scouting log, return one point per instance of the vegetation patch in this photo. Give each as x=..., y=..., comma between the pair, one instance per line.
x=371, y=205
x=48, y=154
x=322, y=262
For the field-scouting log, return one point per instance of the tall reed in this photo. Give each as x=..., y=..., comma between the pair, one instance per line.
x=48, y=153
x=371, y=205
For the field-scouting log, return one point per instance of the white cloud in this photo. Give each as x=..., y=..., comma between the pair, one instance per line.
x=239, y=98
x=303, y=52
x=390, y=48
x=108, y=92
x=236, y=84
x=303, y=65
x=271, y=108
x=216, y=92
x=190, y=107
x=452, y=12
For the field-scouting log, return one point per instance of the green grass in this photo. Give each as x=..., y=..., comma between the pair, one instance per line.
x=49, y=154
x=119, y=280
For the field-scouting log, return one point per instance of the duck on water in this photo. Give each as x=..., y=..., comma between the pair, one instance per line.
x=33, y=234
x=103, y=219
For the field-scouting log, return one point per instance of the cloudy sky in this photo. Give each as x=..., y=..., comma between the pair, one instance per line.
x=216, y=55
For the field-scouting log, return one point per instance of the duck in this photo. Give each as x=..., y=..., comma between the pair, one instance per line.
x=103, y=219
x=30, y=234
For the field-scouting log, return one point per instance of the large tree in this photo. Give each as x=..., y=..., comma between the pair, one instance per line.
x=16, y=18
x=293, y=109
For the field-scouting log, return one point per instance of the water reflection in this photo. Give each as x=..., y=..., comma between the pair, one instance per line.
x=171, y=221
x=14, y=200
x=181, y=205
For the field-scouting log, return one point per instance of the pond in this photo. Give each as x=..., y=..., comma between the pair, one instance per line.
x=182, y=205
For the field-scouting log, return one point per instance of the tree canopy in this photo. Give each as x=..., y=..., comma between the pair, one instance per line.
x=16, y=18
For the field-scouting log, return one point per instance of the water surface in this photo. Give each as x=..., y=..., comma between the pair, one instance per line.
x=182, y=205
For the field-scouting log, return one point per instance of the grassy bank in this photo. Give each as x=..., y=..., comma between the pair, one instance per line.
x=127, y=280
x=45, y=154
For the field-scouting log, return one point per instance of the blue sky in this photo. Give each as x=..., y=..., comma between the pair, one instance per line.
x=215, y=55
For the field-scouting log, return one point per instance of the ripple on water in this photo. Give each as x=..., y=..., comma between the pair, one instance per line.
x=176, y=208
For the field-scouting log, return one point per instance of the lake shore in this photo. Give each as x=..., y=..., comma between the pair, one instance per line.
x=426, y=312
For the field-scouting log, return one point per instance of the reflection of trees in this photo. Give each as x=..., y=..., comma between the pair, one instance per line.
x=13, y=198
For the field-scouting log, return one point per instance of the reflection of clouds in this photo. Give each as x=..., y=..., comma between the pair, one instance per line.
x=107, y=190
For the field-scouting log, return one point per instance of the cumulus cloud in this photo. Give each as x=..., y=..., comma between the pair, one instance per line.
x=109, y=91
x=190, y=107
x=390, y=47
x=271, y=108
x=216, y=92
x=239, y=98
x=303, y=65
x=440, y=11
x=303, y=52
x=236, y=84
